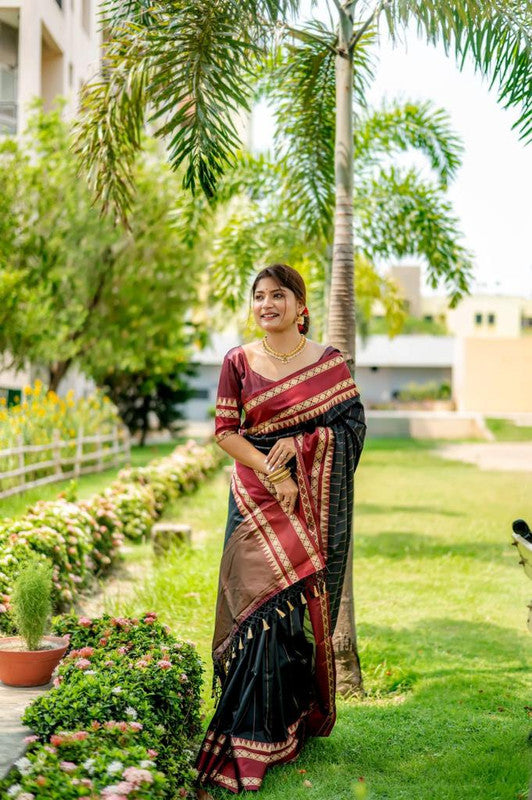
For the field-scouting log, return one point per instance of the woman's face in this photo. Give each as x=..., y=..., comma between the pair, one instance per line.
x=275, y=307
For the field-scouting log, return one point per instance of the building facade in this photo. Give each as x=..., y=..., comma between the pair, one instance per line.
x=48, y=48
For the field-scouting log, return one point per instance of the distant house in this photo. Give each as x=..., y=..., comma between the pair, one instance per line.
x=384, y=366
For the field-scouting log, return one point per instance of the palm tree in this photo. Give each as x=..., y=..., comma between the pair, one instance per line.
x=189, y=67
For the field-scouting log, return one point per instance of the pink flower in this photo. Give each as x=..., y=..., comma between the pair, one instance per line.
x=85, y=622
x=86, y=651
x=31, y=738
x=164, y=664
x=153, y=753
x=3, y=609
x=183, y=678
x=49, y=749
x=57, y=681
x=82, y=663
x=80, y=735
x=56, y=739
x=136, y=726
x=118, y=790
x=136, y=775
x=68, y=766
x=122, y=650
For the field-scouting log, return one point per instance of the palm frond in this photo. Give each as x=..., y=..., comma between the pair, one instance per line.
x=398, y=127
x=497, y=34
x=398, y=214
x=301, y=84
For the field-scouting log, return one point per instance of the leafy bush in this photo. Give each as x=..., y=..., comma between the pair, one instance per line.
x=126, y=676
x=102, y=761
x=83, y=539
x=31, y=601
x=417, y=392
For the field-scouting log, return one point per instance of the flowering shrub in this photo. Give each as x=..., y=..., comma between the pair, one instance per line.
x=126, y=698
x=135, y=506
x=38, y=413
x=108, y=761
x=84, y=538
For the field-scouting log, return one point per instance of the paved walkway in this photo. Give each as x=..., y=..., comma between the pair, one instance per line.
x=491, y=455
x=13, y=701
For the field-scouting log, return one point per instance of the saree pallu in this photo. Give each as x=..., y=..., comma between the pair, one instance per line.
x=281, y=575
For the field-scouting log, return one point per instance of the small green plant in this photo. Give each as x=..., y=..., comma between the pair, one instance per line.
x=31, y=600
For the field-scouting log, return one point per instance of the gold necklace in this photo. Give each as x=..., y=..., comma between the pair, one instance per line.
x=284, y=357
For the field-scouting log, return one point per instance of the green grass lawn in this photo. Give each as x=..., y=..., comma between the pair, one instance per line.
x=87, y=484
x=441, y=611
x=505, y=430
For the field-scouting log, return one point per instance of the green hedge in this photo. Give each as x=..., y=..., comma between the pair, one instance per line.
x=124, y=707
x=84, y=538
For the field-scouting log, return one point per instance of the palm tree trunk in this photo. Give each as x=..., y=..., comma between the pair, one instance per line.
x=341, y=330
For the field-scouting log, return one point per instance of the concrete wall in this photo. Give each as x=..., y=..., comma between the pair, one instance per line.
x=495, y=375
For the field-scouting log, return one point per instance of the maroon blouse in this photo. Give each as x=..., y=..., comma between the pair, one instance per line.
x=238, y=382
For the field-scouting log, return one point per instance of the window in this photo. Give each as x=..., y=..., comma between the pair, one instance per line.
x=86, y=16
x=428, y=318
x=478, y=319
x=491, y=319
x=374, y=369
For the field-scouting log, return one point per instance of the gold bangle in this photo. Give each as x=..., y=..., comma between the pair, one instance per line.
x=277, y=471
x=282, y=476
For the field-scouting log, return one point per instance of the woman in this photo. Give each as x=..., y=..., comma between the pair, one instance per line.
x=287, y=536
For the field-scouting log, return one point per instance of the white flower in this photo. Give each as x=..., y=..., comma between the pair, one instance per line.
x=24, y=765
x=115, y=766
x=116, y=690
x=130, y=711
x=89, y=765
x=147, y=764
x=14, y=790
x=90, y=672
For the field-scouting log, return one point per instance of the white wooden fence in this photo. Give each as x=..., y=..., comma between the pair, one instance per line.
x=109, y=450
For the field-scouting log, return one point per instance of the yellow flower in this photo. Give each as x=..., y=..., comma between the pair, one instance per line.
x=3, y=401
x=27, y=390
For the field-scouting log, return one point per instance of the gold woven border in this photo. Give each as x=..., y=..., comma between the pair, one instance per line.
x=323, y=402
x=269, y=539
x=289, y=383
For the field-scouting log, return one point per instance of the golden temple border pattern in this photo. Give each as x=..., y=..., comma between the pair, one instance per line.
x=291, y=382
x=249, y=508
x=277, y=422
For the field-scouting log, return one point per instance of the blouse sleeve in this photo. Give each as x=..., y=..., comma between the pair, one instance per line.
x=228, y=401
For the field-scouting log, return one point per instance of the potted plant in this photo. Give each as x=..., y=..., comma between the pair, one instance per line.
x=30, y=659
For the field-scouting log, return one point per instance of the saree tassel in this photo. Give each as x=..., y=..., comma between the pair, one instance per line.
x=281, y=613
x=250, y=633
x=265, y=625
x=316, y=592
x=303, y=599
x=233, y=654
x=290, y=606
x=240, y=644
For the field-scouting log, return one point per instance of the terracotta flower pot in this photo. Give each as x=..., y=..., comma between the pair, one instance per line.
x=30, y=667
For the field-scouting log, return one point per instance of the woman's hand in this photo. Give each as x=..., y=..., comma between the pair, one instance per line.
x=282, y=451
x=287, y=493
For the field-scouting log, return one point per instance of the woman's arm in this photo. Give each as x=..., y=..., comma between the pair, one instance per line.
x=244, y=452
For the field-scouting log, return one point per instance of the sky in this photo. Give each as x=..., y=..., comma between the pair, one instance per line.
x=492, y=194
